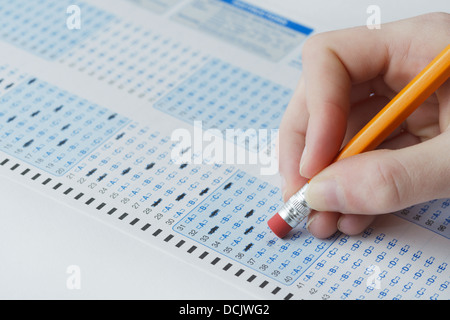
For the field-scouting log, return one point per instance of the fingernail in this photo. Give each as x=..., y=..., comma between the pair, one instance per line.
x=303, y=161
x=310, y=221
x=339, y=222
x=325, y=195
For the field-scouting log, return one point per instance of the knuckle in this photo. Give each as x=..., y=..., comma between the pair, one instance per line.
x=440, y=17
x=390, y=185
x=436, y=21
x=314, y=44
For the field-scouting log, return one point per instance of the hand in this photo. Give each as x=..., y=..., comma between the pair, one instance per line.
x=348, y=76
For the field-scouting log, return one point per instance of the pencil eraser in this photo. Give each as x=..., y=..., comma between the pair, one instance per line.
x=279, y=226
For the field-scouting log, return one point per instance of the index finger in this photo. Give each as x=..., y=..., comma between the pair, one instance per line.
x=332, y=65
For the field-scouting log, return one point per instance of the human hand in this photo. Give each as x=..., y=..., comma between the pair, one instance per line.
x=348, y=76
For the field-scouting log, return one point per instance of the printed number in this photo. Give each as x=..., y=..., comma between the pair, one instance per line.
x=276, y=273
x=114, y=195
x=227, y=250
x=135, y=205
x=215, y=244
x=312, y=291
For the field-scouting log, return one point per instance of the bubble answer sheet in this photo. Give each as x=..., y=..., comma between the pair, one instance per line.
x=95, y=97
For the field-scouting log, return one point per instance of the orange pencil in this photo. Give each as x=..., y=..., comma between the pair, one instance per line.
x=375, y=132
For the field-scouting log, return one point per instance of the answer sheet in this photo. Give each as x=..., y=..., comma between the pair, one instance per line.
x=95, y=97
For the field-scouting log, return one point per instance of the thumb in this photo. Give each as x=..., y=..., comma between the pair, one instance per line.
x=384, y=181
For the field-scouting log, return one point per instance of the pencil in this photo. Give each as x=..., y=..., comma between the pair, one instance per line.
x=372, y=134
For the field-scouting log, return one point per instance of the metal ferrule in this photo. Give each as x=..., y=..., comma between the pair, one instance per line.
x=296, y=208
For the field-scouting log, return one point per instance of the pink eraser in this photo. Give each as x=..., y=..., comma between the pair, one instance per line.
x=279, y=226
